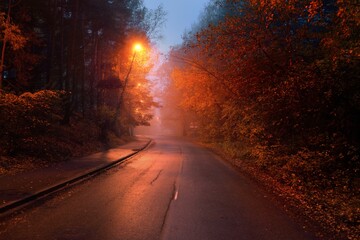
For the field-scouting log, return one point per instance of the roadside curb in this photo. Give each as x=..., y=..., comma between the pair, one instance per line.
x=51, y=189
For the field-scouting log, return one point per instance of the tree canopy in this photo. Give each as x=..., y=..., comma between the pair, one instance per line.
x=276, y=82
x=74, y=45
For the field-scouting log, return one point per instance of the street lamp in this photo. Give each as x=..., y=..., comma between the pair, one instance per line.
x=137, y=47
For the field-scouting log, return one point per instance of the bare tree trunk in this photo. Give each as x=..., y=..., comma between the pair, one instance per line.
x=94, y=74
x=82, y=67
x=71, y=83
x=61, y=60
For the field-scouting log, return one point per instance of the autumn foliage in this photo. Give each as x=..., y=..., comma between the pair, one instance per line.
x=69, y=79
x=30, y=127
x=276, y=85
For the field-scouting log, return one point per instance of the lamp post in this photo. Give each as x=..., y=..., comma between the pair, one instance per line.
x=136, y=48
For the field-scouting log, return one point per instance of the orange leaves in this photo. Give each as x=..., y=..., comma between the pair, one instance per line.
x=272, y=65
x=348, y=15
x=287, y=88
x=314, y=8
x=196, y=88
x=11, y=33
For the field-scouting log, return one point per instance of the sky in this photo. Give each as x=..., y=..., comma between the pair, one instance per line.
x=181, y=14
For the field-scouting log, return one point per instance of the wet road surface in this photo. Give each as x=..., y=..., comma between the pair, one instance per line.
x=174, y=190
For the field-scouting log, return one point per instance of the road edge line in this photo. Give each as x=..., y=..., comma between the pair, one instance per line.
x=18, y=203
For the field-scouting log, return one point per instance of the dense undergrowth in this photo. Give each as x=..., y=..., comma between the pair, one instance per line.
x=33, y=135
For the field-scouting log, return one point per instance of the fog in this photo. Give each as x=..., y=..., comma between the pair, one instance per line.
x=162, y=125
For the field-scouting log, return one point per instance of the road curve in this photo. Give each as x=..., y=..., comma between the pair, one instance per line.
x=174, y=190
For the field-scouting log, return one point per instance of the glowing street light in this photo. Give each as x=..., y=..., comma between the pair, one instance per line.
x=137, y=47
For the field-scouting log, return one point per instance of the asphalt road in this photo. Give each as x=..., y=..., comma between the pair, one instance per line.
x=174, y=190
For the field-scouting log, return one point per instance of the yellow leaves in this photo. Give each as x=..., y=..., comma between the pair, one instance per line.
x=195, y=86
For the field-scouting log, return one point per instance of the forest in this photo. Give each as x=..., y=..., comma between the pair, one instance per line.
x=70, y=80
x=274, y=86
x=271, y=85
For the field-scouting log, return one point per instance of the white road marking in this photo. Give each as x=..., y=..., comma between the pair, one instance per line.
x=176, y=195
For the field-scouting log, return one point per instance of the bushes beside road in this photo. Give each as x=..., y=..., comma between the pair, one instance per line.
x=32, y=133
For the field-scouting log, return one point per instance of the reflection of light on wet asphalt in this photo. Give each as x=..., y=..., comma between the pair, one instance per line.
x=176, y=195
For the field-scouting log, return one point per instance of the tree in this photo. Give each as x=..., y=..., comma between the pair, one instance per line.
x=73, y=45
x=273, y=73
x=275, y=84
x=10, y=33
